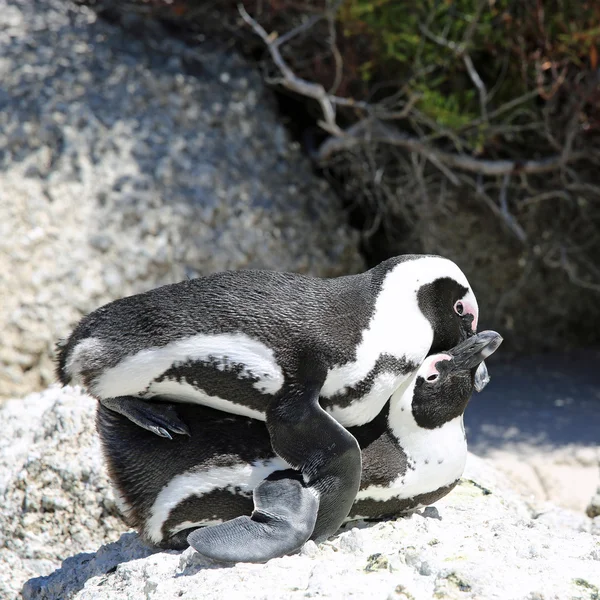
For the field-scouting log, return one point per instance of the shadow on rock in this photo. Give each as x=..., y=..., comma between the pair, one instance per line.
x=77, y=570
x=118, y=558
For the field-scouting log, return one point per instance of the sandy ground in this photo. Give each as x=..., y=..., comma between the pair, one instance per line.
x=539, y=421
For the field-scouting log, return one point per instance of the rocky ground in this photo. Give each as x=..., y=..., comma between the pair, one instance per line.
x=128, y=160
x=484, y=540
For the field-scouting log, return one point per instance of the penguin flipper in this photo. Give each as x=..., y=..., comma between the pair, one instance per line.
x=157, y=417
x=285, y=512
x=313, y=442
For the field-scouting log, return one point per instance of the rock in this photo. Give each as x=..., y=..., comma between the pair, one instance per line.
x=482, y=541
x=127, y=161
x=56, y=497
x=593, y=508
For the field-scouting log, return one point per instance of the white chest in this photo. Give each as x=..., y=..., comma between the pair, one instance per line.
x=436, y=458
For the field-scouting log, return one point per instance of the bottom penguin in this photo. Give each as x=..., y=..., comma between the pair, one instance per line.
x=200, y=490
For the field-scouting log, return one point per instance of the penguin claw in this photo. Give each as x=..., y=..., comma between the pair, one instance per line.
x=161, y=431
x=156, y=417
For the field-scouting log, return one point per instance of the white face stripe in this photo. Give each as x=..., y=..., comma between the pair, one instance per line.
x=398, y=327
x=135, y=373
x=176, y=391
x=195, y=483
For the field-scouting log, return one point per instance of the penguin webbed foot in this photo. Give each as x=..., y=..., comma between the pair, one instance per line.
x=157, y=417
x=283, y=520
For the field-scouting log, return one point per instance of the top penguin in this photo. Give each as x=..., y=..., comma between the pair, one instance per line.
x=308, y=355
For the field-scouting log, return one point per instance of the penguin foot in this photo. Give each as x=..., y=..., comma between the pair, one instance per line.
x=283, y=519
x=157, y=417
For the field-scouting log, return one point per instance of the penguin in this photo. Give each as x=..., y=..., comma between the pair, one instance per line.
x=199, y=490
x=308, y=356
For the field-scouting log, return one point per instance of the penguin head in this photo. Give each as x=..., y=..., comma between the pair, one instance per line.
x=444, y=382
x=447, y=301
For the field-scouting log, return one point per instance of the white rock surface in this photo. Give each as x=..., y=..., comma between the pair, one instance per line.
x=474, y=544
x=55, y=495
x=127, y=161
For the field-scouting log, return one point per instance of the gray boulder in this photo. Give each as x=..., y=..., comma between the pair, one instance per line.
x=482, y=541
x=127, y=161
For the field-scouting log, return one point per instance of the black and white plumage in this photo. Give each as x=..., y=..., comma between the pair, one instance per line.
x=413, y=453
x=305, y=354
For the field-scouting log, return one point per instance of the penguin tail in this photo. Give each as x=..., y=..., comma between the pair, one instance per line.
x=79, y=358
x=62, y=351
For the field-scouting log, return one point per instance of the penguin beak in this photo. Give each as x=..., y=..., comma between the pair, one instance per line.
x=471, y=353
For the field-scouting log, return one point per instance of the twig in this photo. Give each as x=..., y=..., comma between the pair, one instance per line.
x=546, y=196
x=370, y=130
x=474, y=75
x=362, y=132
x=571, y=272
x=506, y=217
x=390, y=115
x=296, y=84
x=508, y=106
x=440, y=41
x=335, y=51
x=290, y=80
x=286, y=37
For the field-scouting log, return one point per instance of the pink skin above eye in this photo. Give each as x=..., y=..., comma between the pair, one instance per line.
x=469, y=309
x=428, y=368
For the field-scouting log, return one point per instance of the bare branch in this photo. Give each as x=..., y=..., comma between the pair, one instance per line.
x=286, y=37
x=509, y=106
x=363, y=132
x=370, y=130
x=474, y=75
x=296, y=84
x=290, y=80
x=571, y=272
x=390, y=115
x=545, y=196
x=506, y=215
x=335, y=51
x=441, y=41
x=502, y=211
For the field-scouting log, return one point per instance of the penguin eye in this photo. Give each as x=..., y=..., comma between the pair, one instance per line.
x=459, y=309
x=433, y=377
